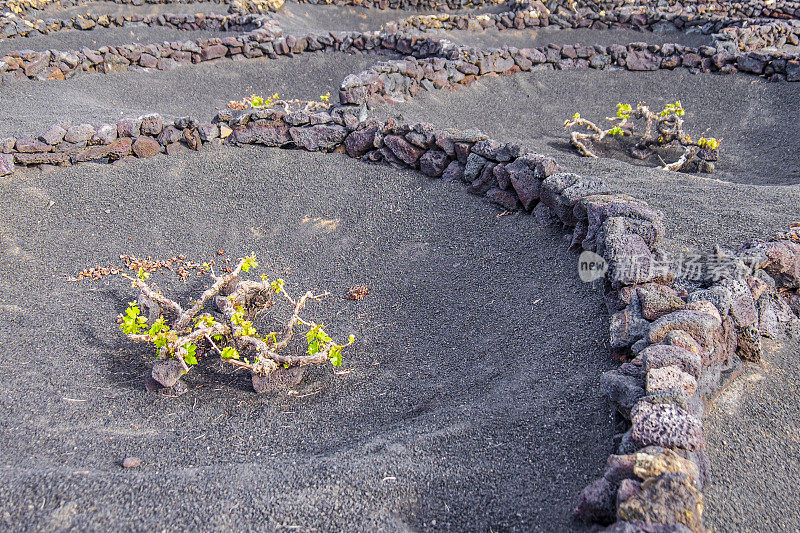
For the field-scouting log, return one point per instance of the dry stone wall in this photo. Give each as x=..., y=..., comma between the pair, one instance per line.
x=680, y=340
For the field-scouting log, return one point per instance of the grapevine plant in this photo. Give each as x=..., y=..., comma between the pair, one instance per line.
x=662, y=129
x=182, y=337
x=255, y=101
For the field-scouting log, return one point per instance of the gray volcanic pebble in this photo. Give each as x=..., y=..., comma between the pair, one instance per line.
x=131, y=462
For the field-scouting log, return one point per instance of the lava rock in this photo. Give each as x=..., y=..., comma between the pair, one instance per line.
x=6, y=164
x=105, y=134
x=359, y=142
x=434, y=163
x=473, y=168
x=658, y=300
x=662, y=355
x=667, y=499
x=321, y=137
x=151, y=124
x=80, y=133
x=145, y=147
x=403, y=150
x=670, y=377
x=279, y=379
x=54, y=135
x=665, y=425
x=167, y=372
x=454, y=172
x=622, y=391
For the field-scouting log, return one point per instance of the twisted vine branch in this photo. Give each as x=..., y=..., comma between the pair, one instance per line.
x=661, y=129
x=189, y=334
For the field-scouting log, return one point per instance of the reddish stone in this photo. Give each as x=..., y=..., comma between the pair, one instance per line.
x=404, y=150
x=145, y=147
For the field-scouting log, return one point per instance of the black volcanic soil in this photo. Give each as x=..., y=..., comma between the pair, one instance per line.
x=196, y=90
x=472, y=401
x=754, y=192
x=753, y=436
x=529, y=38
x=99, y=36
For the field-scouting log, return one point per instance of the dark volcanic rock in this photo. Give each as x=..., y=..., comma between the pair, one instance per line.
x=167, y=372
x=359, y=142
x=6, y=164
x=403, y=150
x=323, y=137
x=434, y=163
x=282, y=378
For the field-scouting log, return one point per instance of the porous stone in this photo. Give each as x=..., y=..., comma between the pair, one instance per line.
x=665, y=425
x=359, y=142
x=505, y=199
x=213, y=51
x=274, y=133
x=638, y=526
x=666, y=499
x=627, y=326
x=207, y=131
x=623, y=391
x=597, y=502
x=670, y=377
x=683, y=340
x=743, y=306
x=496, y=151
x=473, y=168
x=658, y=300
x=169, y=135
x=42, y=158
x=544, y=216
x=79, y=133
x=622, y=225
x=454, y=172
x=120, y=148
x=749, y=345
x=151, y=124
x=662, y=355
x=652, y=465
x=191, y=138
x=28, y=145
x=524, y=181
x=145, y=147
x=128, y=127
x=719, y=295
x=106, y=134
x=627, y=489
x=92, y=153
x=561, y=191
x=630, y=260
x=676, y=397
x=484, y=181
x=595, y=209
x=699, y=324
x=642, y=60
